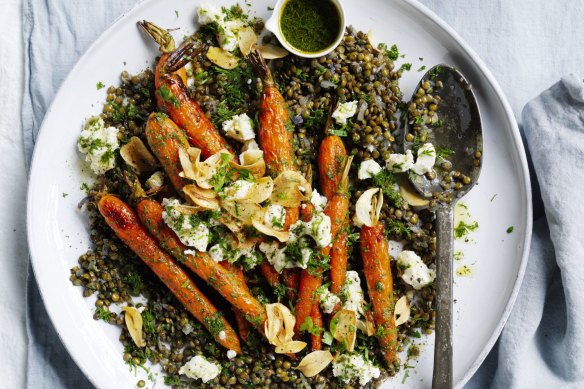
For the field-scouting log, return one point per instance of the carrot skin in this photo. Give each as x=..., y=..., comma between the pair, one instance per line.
x=189, y=116
x=165, y=139
x=331, y=157
x=242, y=324
x=316, y=340
x=270, y=274
x=291, y=278
x=125, y=224
x=224, y=281
x=376, y=266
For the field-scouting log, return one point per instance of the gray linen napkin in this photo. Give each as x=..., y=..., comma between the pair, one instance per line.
x=56, y=33
x=542, y=344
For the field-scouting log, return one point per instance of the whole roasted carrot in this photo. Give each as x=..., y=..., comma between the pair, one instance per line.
x=123, y=221
x=165, y=140
x=167, y=46
x=291, y=278
x=275, y=136
x=223, y=280
x=375, y=256
x=242, y=323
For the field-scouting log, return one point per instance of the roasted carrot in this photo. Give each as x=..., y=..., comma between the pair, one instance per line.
x=174, y=99
x=165, y=140
x=269, y=273
x=242, y=323
x=167, y=46
x=316, y=339
x=291, y=278
x=221, y=279
x=125, y=224
x=375, y=256
x=331, y=160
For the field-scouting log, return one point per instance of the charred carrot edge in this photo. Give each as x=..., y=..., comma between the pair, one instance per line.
x=291, y=278
x=165, y=139
x=125, y=224
x=331, y=159
x=316, y=340
x=375, y=256
x=270, y=274
x=222, y=280
x=173, y=98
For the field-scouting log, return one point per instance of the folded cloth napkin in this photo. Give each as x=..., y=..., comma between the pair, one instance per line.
x=542, y=345
x=56, y=33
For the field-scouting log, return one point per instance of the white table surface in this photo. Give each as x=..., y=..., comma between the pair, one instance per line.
x=527, y=44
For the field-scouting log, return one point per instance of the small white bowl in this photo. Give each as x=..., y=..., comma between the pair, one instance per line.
x=273, y=25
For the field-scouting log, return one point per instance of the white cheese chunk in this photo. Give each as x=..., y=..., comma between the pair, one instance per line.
x=275, y=255
x=200, y=368
x=345, y=111
x=239, y=190
x=426, y=159
x=414, y=270
x=328, y=301
x=217, y=253
x=368, y=169
x=353, y=293
x=98, y=143
x=275, y=217
x=227, y=29
x=354, y=367
x=155, y=181
x=318, y=200
x=319, y=228
x=231, y=354
x=400, y=163
x=191, y=232
x=239, y=127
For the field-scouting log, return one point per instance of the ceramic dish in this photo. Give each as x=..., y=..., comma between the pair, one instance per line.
x=58, y=234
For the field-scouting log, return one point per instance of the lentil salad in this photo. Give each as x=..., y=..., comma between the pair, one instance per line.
x=355, y=71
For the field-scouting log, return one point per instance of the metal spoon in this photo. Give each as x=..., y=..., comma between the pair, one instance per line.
x=459, y=131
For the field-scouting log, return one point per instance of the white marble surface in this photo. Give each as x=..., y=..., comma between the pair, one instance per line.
x=528, y=45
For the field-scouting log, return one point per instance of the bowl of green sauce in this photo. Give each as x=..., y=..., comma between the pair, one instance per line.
x=308, y=28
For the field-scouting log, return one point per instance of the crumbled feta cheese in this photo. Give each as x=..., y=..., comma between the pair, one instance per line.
x=200, y=368
x=239, y=127
x=275, y=255
x=239, y=190
x=228, y=29
x=217, y=253
x=189, y=230
x=352, y=293
x=98, y=143
x=275, y=217
x=231, y=354
x=414, y=270
x=306, y=255
x=349, y=367
x=328, y=301
x=319, y=228
x=426, y=159
x=155, y=181
x=222, y=335
x=188, y=328
x=318, y=200
x=400, y=163
x=345, y=111
x=368, y=169
x=190, y=252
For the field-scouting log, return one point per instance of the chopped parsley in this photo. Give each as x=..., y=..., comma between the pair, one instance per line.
x=308, y=326
x=463, y=229
x=167, y=96
x=214, y=323
x=224, y=173
x=396, y=227
x=99, y=85
x=392, y=53
x=176, y=13
x=493, y=198
x=445, y=152
x=149, y=322
x=280, y=291
x=103, y=313
x=422, y=68
x=316, y=118
x=510, y=229
x=387, y=182
x=65, y=194
x=406, y=66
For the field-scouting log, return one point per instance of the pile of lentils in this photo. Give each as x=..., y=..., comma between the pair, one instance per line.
x=110, y=271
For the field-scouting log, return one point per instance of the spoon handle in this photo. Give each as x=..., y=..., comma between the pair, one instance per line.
x=442, y=374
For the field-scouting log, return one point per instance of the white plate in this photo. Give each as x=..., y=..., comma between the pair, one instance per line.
x=58, y=234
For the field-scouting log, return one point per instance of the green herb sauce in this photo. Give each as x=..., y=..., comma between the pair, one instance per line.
x=310, y=25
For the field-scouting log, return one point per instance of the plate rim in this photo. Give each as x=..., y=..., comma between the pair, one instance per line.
x=478, y=63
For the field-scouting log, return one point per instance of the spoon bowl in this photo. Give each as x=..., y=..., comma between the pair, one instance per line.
x=452, y=123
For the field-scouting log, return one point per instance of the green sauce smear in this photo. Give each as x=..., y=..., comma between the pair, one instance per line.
x=310, y=25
